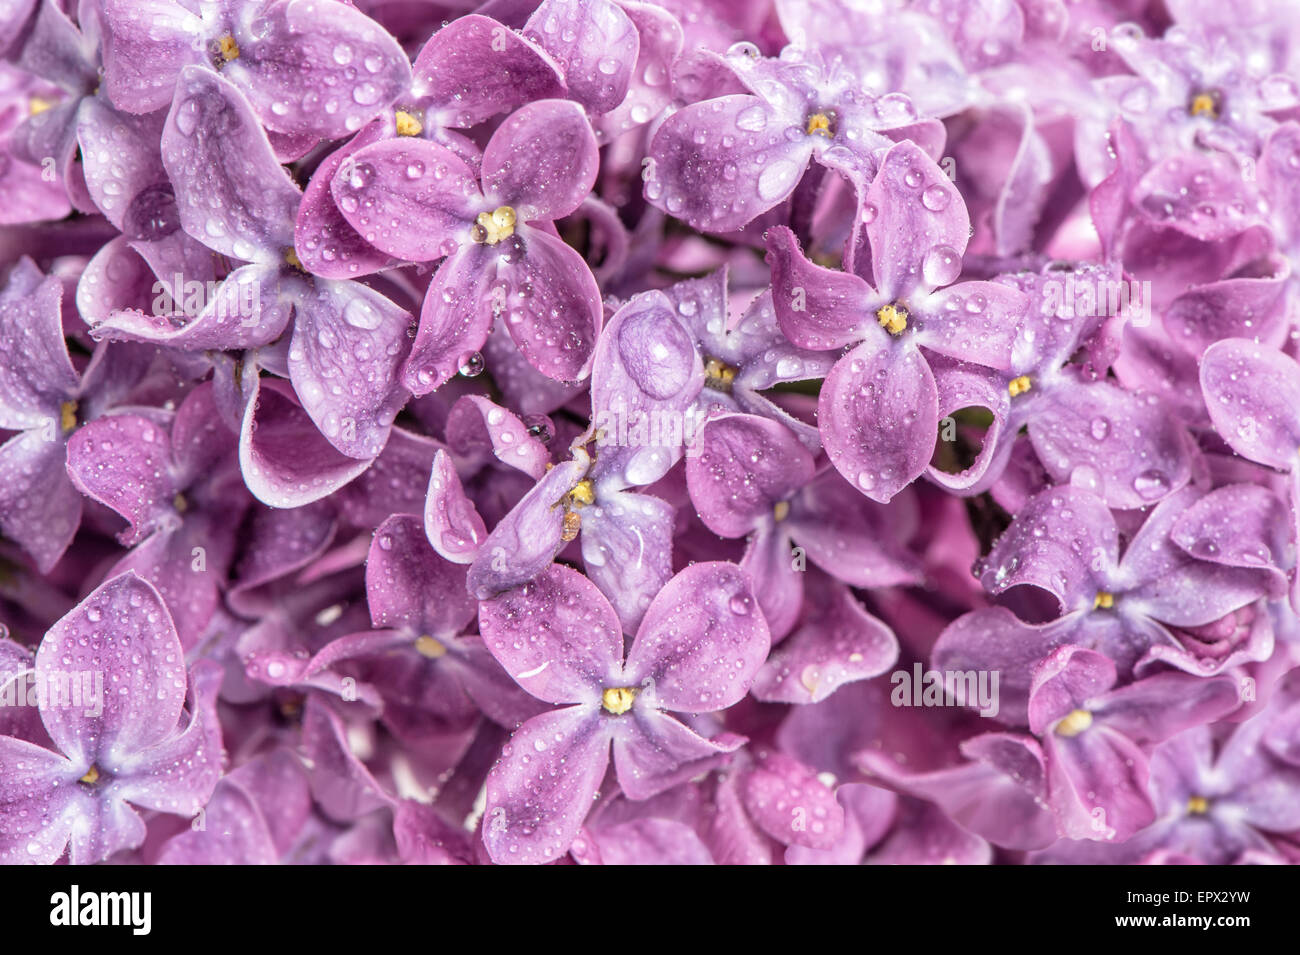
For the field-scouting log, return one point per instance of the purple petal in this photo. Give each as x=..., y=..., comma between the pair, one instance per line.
x=791, y=804
x=557, y=636
x=879, y=412
x=452, y=524
x=542, y=789
x=408, y=585
x=553, y=305
x=654, y=752
x=454, y=322
x=475, y=67
x=420, y=184
x=594, y=42
x=916, y=211
x=39, y=507
x=1079, y=432
x=743, y=468
x=214, y=148
x=124, y=461
x=627, y=545
x=817, y=308
x=838, y=643
x=323, y=47
x=285, y=460
x=1253, y=395
x=739, y=170
x=702, y=640
x=348, y=345
x=36, y=374
x=527, y=539
x=646, y=374
x=122, y=631
x=514, y=176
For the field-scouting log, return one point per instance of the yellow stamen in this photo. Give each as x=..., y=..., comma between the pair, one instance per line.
x=572, y=525
x=893, y=318
x=618, y=699
x=291, y=257
x=819, y=124
x=1204, y=104
x=719, y=375
x=68, y=416
x=495, y=226
x=782, y=510
x=228, y=47
x=407, y=124
x=91, y=777
x=38, y=104
x=1018, y=386
x=427, y=646
x=1198, y=805
x=1103, y=601
x=1074, y=724
x=180, y=503
x=583, y=493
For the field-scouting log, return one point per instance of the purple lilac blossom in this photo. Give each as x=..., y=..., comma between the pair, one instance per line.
x=649, y=432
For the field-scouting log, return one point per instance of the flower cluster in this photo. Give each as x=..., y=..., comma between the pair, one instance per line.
x=649, y=431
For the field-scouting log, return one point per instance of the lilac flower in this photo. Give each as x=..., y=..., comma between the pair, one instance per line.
x=1096, y=770
x=1198, y=88
x=696, y=651
x=879, y=404
x=139, y=749
x=1131, y=608
x=750, y=476
x=1122, y=444
x=646, y=377
x=347, y=340
x=310, y=68
x=416, y=199
x=1216, y=802
x=744, y=358
x=45, y=398
x=720, y=163
x=180, y=491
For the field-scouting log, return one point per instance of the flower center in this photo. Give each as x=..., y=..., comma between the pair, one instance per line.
x=68, y=416
x=1103, y=601
x=91, y=777
x=1074, y=723
x=782, y=510
x=820, y=124
x=427, y=646
x=718, y=375
x=618, y=699
x=228, y=48
x=583, y=493
x=407, y=123
x=37, y=104
x=1018, y=386
x=180, y=503
x=1204, y=104
x=1198, y=805
x=495, y=226
x=893, y=318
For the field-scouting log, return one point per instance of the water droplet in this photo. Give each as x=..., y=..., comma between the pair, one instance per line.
x=471, y=364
